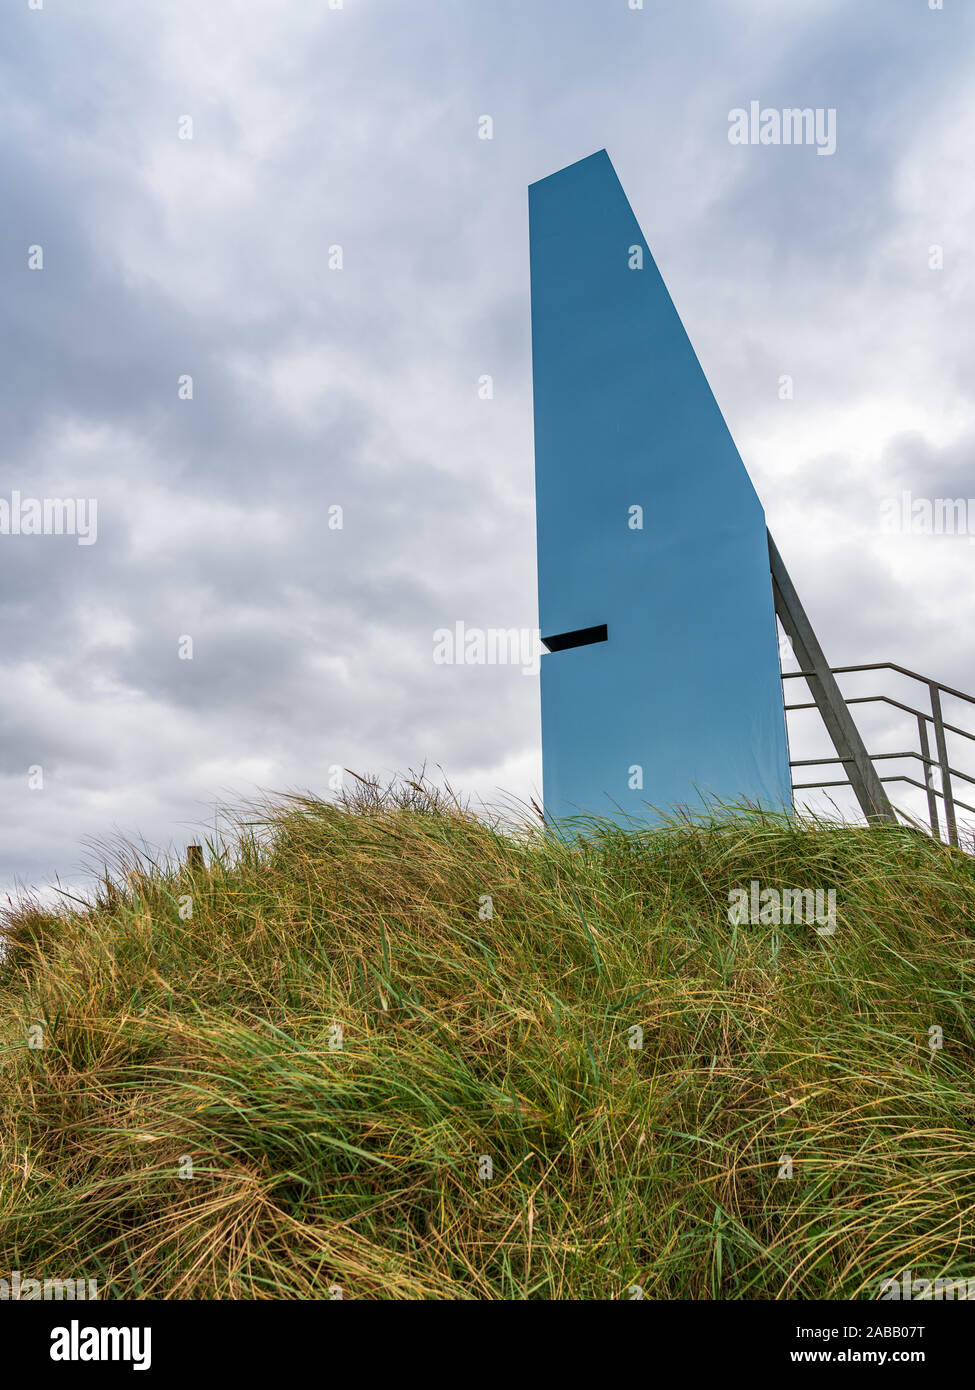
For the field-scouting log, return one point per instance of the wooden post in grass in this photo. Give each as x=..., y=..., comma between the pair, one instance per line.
x=194, y=857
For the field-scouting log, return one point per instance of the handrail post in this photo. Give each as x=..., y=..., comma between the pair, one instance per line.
x=939, y=736
x=845, y=735
x=922, y=728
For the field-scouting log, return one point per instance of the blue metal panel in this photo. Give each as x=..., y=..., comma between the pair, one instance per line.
x=686, y=687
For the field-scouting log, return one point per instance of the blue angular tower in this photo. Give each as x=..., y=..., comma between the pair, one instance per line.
x=660, y=686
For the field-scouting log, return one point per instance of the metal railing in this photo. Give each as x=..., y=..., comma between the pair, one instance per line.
x=940, y=762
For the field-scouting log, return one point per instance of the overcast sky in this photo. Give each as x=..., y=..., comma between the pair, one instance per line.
x=312, y=127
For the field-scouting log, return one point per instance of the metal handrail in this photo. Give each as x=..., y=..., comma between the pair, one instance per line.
x=922, y=787
x=878, y=699
x=886, y=666
x=892, y=666
x=937, y=721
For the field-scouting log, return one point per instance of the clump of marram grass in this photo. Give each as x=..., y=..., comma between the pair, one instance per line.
x=396, y=1048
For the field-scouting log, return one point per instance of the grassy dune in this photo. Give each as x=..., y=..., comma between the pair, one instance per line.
x=475, y=1030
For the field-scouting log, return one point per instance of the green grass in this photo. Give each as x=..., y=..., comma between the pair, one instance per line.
x=505, y=1036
